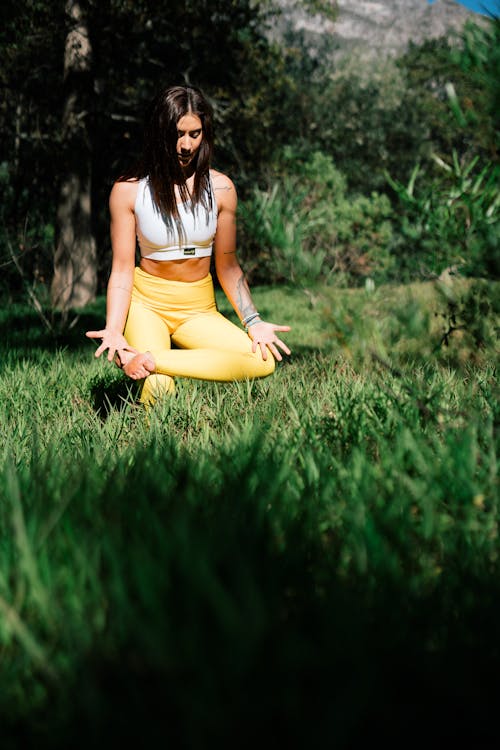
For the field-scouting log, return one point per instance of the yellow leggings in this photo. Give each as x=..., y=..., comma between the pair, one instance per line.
x=210, y=347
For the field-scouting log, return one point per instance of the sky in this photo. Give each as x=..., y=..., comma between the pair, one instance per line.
x=481, y=6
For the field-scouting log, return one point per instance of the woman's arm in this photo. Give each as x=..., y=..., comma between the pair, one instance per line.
x=121, y=206
x=231, y=276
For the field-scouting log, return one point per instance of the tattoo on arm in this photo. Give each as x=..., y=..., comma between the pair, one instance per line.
x=243, y=298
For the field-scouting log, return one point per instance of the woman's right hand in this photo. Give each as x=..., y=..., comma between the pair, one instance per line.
x=112, y=341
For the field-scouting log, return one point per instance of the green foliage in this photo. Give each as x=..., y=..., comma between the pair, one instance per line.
x=436, y=101
x=305, y=225
x=453, y=221
x=449, y=205
x=439, y=99
x=387, y=115
x=32, y=54
x=450, y=320
x=474, y=312
x=479, y=60
x=136, y=48
x=366, y=120
x=277, y=227
x=469, y=71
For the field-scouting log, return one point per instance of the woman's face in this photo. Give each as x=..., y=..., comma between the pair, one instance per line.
x=189, y=137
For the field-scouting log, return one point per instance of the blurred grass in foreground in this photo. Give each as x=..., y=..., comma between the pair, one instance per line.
x=310, y=558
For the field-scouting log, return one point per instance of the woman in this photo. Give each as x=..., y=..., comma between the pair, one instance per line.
x=179, y=209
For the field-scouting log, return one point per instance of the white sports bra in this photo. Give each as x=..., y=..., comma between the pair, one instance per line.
x=158, y=241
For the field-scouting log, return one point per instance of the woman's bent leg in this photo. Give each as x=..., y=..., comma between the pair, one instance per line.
x=212, y=348
x=146, y=331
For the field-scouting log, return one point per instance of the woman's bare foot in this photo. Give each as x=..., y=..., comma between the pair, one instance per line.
x=137, y=366
x=123, y=356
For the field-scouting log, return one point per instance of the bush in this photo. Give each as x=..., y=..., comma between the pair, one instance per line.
x=304, y=225
x=366, y=119
x=453, y=221
x=455, y=89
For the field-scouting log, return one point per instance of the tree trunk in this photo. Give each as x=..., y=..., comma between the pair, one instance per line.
x=75, y=261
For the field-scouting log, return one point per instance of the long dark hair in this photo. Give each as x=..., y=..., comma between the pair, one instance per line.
x=160, y=162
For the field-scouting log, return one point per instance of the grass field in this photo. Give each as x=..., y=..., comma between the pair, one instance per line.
x=307, y=559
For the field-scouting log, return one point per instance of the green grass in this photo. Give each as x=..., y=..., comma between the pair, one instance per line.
x=310, y=558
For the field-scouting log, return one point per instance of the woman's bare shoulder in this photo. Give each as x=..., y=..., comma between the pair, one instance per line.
x=123, y=193
x=224, y=189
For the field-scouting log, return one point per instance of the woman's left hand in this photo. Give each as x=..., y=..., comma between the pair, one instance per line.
x=264, y=335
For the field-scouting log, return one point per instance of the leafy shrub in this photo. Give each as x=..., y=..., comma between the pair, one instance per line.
x=478, y=58
x=454, y=221
x=305, y=225
x=366, y=118
x=451, y=320
x=474, y=312
x=276, y=228
x=388, y=114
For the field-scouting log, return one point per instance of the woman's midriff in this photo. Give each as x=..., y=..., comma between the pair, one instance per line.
x=192, y=269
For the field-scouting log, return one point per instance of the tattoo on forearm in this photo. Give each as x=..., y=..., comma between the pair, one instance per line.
x=243, y=298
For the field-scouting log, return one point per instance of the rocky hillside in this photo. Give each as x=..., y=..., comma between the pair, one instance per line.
x=368, y=28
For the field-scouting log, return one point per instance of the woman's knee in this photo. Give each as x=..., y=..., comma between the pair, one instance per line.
x=156, y=386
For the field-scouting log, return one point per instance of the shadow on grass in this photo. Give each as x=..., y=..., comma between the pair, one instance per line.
x=332, y=674
x=215, y=609
x=112, y=392
x=24, y=329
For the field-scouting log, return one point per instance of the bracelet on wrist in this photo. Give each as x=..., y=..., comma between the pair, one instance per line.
x=246, y=320
x=253, y=322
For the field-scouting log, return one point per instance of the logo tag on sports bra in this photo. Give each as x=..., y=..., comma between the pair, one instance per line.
x=189, y=251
